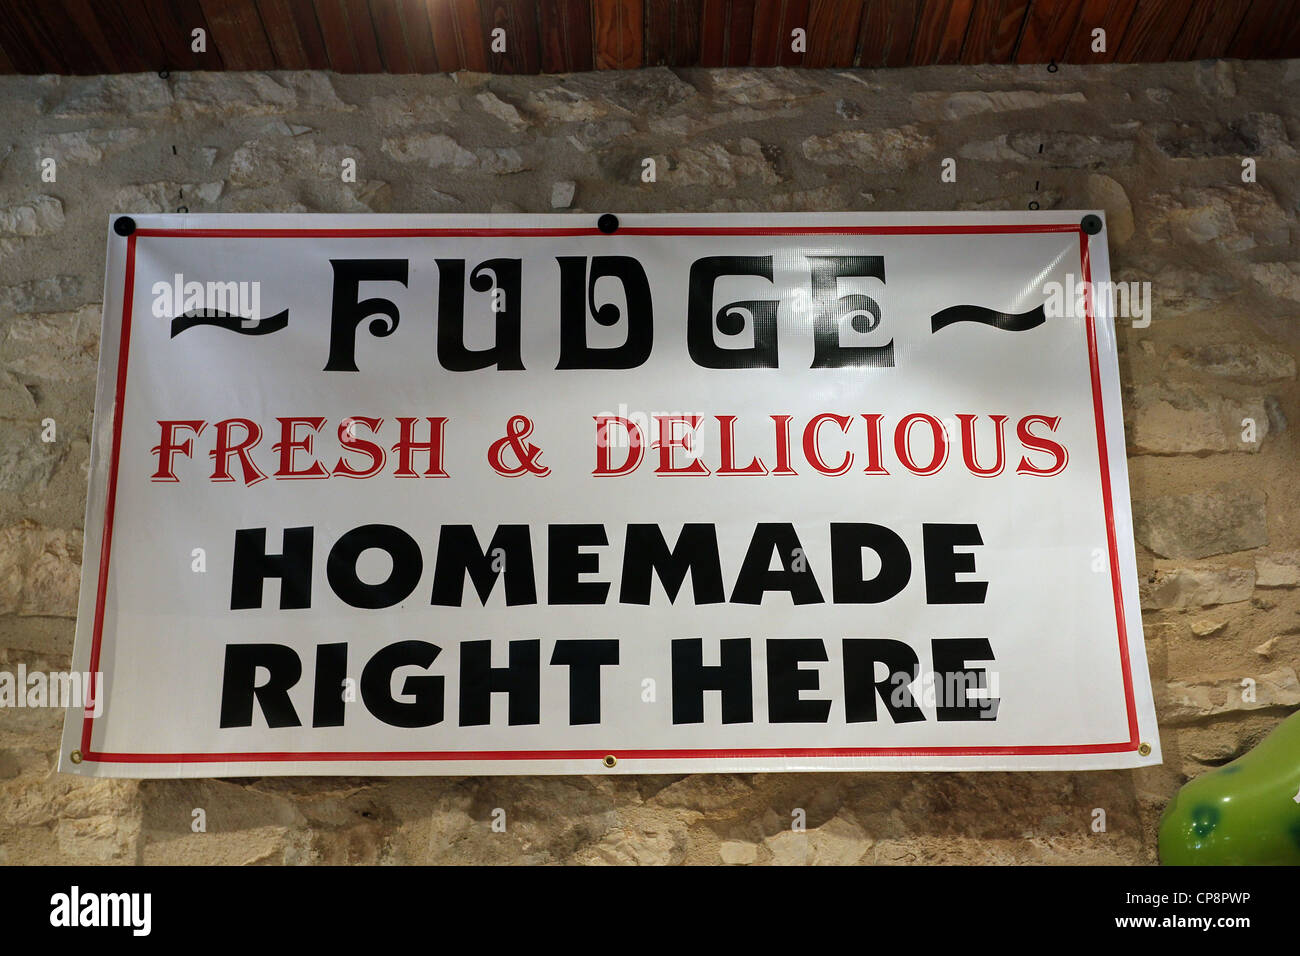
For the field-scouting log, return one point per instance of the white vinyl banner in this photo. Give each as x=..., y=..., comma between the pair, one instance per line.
x=665, y=493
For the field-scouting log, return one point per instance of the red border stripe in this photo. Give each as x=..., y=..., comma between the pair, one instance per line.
x=110, y=503
x=625, y=231
x=1108, y=504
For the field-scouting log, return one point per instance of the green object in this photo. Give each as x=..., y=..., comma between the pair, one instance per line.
x=1243, y=813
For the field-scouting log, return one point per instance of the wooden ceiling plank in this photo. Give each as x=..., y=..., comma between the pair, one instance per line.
x=309, y=34
x=237, y=30
x=25, y=60
x=771, y=38
x=1218, y=34
x=634, y=30
x=929, y=32
x=953, y=38
x=442, y=24
x=1006, y=34
x=519, y=20
x=1247, y=38
x=390, y=37
x=1152, y=31
x=740, y=32
x=1048, y=29
x=174, y=23
x=284, y=34
x=833, y=27
x=28, y=41
x=821, y=34
x=873, y=33
x=1038, y=23
x=687, y=27
x=495, y=15
x=765, y=33
x=1171, y=27
x=337, y=35
x=1288, y=43
x=127, y=29
x=364, y=40
x=552, y=40
x=713, y=33
x=471, y=38
x=525, y=20
x=902, y=28
x=794, y=16
x=849, y=13
x=1263, y=30
x=401, y=36
x=82, y=45
x=658, y=32
x=616, y=31
x=578, y=17
x=608, y=25
x=941, y=32
x=979, y=35
x=1200, y=15
x=1138, y=35
x=1113, y=16
x=419, y=37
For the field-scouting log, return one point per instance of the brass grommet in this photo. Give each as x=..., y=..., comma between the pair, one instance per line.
x=610, y=760
x=75, y=756
x=1144, y=749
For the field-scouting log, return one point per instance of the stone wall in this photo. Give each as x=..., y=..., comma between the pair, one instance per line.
x=1159, y=147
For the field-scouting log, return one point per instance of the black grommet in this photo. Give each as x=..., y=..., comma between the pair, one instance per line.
x=1033, y=204
x=124, y=225
x=608, y=223
x=182, y=209
x=163, y=74
x=1090, y=224
x=1052, y=67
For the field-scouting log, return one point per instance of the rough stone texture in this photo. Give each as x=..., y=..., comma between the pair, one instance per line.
x=1191, y=701
x=562, y=194
x=1207, y=628
x=1201, y=586
x=956, y=106
x=717, y=165
x=1280, y=570
x=891, y=148
x=38, y=216
x=1158, y=146
x=1183, y=420
x=1202, y=523
x=1239, y=361
x=1233, y=218
x=40, y=570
